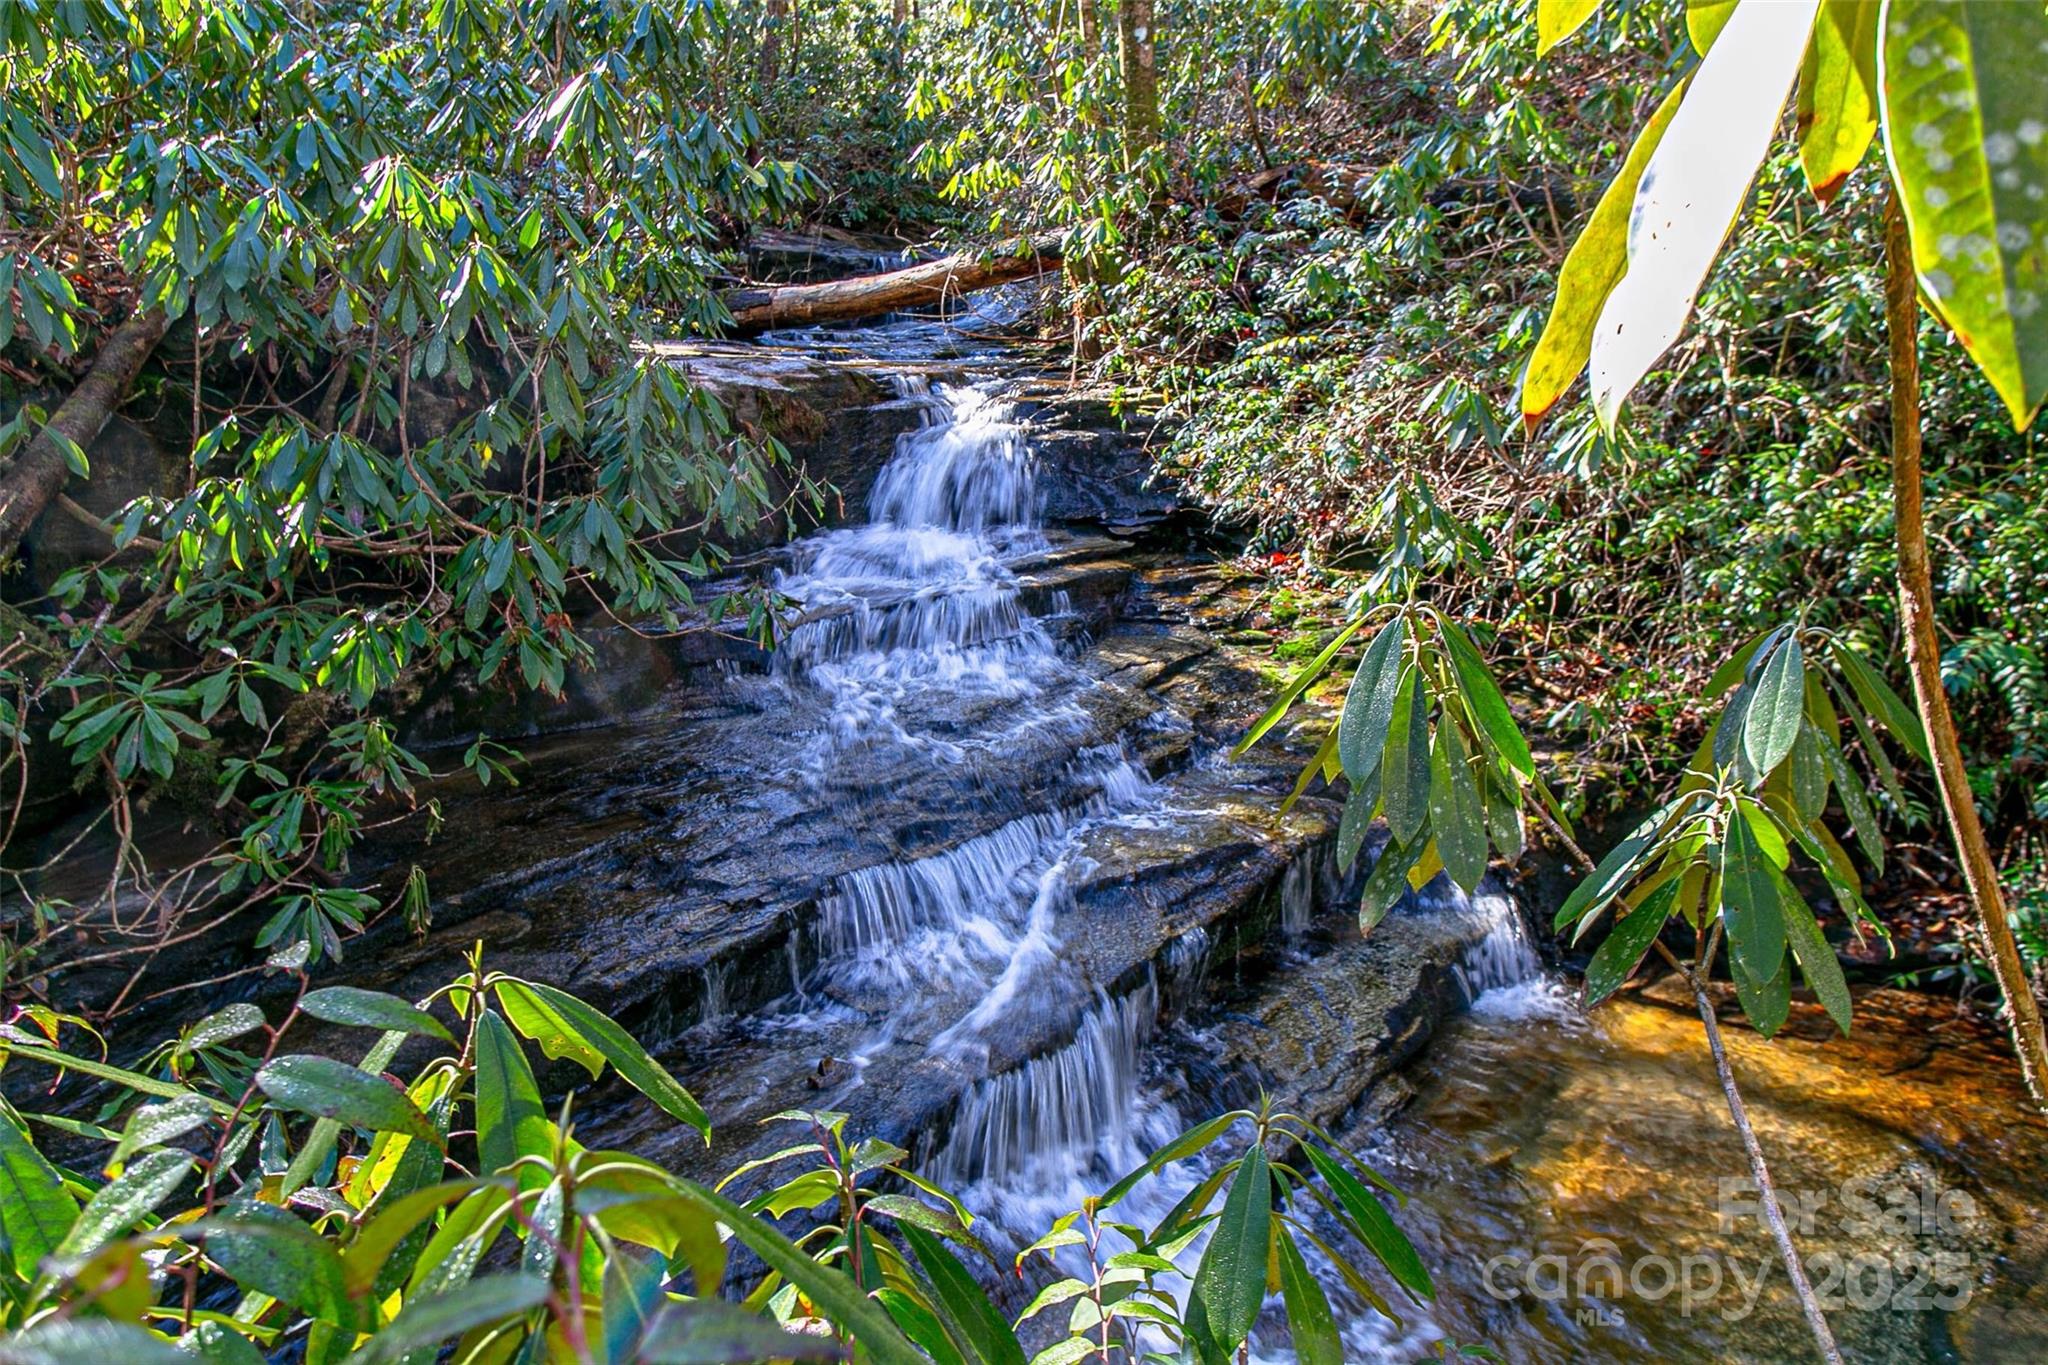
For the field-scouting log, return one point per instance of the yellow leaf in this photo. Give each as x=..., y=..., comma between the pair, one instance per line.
x=1692, y=190
x=1557, y=20
x=1426, y=867
x=1837, y=102
x=1704, y=20
x=1596, y=262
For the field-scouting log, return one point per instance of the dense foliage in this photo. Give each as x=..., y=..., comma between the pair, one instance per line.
x=411, y=251
x=385, y=274
x=240, y=1201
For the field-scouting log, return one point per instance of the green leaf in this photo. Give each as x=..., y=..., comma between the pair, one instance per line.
x=1965, y=90
x=1725, y=743
x=1809, y=775
x=35, y=1209
x=1771, y=725
x=1612, y=872
x=970, y=1319
x=1359, y=805
x=510, y=1122
x=1483, y=698
x=125, y=1201
x=1768, y=1005
x=1837, y=99
x=218, y=1345
x=1295, y=688
x=1850, y=788
x=1052, y=1296
x=1691, y=190
x=536, y=1018
x=1626, y=943
x=222, y=1026
x=1374, y=1226
x=335, y=1090
x=1881, y=703
x=1704, y=20
x=713, y=1332
x=920, y=1324
x=1186, y=1145
x=1503, y=819
x=633, y=1290
x=837, y=1297
x=1310, y=1325
x=1735, y=667
x=1818, y=964
x=1404, y=780
x=907, y=1211
x=1750, y=903
x=266, y=1250
x=371, y=1009
x=1325, y=755
x=1592, y=268
x=1369, y=705
x=88, y=1341
x=1455, y=811
x=154, y=1124
x=429, y=1321
x=805, y=1190
x=312, y=1154
x=598, y=1032
x=396, y=1220
x=1557, y=20
x=1230, y=1281
x=1387, y=882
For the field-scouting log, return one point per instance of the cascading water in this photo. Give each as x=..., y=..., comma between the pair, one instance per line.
x=915, y=605
x=920, y=597
x=898, y=621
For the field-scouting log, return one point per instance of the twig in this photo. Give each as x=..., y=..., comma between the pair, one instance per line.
x=1816, y=1318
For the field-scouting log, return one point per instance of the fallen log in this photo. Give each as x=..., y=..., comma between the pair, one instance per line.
x=39, y=475
x=924, y=285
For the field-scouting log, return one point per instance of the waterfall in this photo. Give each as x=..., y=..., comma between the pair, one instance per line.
x=901, y=621
x=919, y=599
x=1504, y=956
x=913, y=633
x=1075, y=1102
x=1298, y=892
x=713, y=1001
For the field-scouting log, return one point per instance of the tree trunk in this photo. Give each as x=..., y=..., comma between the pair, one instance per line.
x=776, y=19
x=1923, y=656
x=1141, y=78
x=1083, y=302
x=918, y=286
x=38, y=476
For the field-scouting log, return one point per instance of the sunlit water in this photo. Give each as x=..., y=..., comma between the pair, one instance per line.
x=917, y=605
x=1525, y=1106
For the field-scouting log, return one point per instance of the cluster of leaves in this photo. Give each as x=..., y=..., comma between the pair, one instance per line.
x=1323, y=364
x=1254, y=1245
x=1716, y=855
x=1425, y=741
x=832, y=85
x=411, y=287
x=248, y=1201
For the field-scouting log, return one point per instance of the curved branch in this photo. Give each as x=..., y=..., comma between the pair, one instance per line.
x=40, y=474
